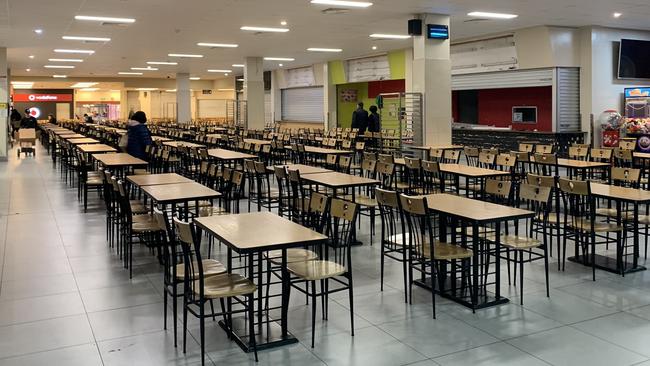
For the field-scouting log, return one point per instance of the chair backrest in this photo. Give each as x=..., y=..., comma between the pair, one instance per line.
x=385, y=172
x=541, y=180
x=627, y=144
x=486, y=159
x=330, y=159
x=543, y=149
x=506, y=161
x=499, y=189
x=387, y=158
x=625, y=176
x=526, y=147
x=578, y=152
x=436, y=154
x=451, y=156
x=419, y=229
x=531, y=192
x=412, y=163
x=601, y=154
x=368, y=166
x=574, y=187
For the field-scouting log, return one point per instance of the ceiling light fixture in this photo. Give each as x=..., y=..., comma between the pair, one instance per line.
x=146, y=89
x=65, y=60
x=279, y=59
x=89, y=89
x=59, y=76
x=195, y=78
x=374, y=47
x=284, y=22
x=28, y=70
x=389, y=36
x=104, y=19
x=280, y=65
x=87, y=52
x=38, y=31
x=238, y=65
x=316, y=49
x=171, y=90
x=161, y=63
x=184, y=55
x=89, y=39
x=83, y=84
x=219, y=70
x=129, y=73
x=349, y=4
x=22, y=82
x=240, y=79
x=31, y=56
x=617, y=15
x=59, y=67
x=483, y=14
x=148, y=68
x=264, y=29
x=217, y=45
x=226, y=89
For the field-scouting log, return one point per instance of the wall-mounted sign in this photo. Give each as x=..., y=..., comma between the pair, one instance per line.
x=637, y=92
x=437, y=31
x=348, y=95
x=207, y=91
x=34, y=112
x=42, y=97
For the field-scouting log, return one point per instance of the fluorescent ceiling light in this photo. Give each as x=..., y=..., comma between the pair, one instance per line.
x=390, y=36
x=316, y=49
x=31, y=56
x=129, y=73
x=483, y=14
x=90, y=39
x=161, y=63
x=171, y=90
x=237, y=65
x=105, y=19
x=349, y=4
x=264, y=29
x=23, y=86
x=59, y=76
x=89, y=89
x=284, y=22
x=28, y=70
x=38, y=31
x=195, y=78
x=88, y=52
x=617, y=15
x=279, y=59
x=65, y=60
x=219, y=70
x=148, y=68
x=58, y=67
x=280, y=65
x=146, y=89
x=218, y=45
x=186, y=55
x=226, y=89
x=83, y=84
x=240, y=79
x=22, y=83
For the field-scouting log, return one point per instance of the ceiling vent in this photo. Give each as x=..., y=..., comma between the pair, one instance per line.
x=334, y=11
x=113, y=24
x=476, y=20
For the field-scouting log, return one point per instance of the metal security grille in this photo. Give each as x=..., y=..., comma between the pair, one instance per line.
x=567, y=94
x=503, y=79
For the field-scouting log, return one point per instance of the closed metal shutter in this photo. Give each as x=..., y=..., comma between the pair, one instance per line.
x=503, y=79
x=568, y=99
x=303, y=104
x=268, y=109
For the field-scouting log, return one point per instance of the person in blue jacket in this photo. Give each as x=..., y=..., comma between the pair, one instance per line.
x=139, y=135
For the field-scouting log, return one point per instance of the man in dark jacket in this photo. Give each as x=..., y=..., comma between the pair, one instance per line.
x=374, y=123
x=360, y=119
x=28, y=121
x=139, y=135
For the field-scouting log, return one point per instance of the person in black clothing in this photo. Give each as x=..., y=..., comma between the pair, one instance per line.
x=374, y=120
x=51, y=119
x=360, y=119
x=16, y=119
x=139, y=135
x=28, y=121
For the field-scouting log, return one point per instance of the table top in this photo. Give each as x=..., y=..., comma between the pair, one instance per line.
x=471, y=171
x=160, y=138
x=323, y=150
x=71, y=135
x=338, y=180
x=119, y=159
x=575, y=164
x=181, y=143
x=619, y=193
x=96, y=148
x=473, y=210
x=258, y=232
x=641, y=155
x=157, y=179
x=223, y=154
x=215, y=135
x=62, y=131
x=302, y=169
x=82, y=141
x=437, y=147
x=179, y=192
x=257, y=142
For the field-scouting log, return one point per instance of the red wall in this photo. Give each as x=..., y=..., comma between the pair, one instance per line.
x=495, y=107
x=385, y=86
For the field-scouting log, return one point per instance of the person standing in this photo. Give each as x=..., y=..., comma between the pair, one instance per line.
x=28, y=121
x=374, y=120
x=360, y=119
x=16, y=119
x=139, y=135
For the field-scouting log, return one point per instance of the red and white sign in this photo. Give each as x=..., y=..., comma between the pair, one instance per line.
x=42, y=97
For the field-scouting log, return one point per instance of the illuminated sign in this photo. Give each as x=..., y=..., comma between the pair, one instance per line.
x=42, y=97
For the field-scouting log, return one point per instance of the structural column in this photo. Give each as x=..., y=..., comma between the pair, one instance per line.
x=4, y=103
x=183, y=98
x=254, y=92
x=431, y=76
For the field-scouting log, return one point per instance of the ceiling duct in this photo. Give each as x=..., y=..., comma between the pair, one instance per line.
x=335, y=11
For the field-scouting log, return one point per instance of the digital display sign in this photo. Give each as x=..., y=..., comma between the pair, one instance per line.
x=437, y=31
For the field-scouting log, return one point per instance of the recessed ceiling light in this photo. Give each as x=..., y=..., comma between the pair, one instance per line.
x=22, y=82
x=315, y=49
x=105, y=19
x=195, y=78
x=219, y=70
x=240, y=79
x=349, y=4
x=65, y=60
x=60, y=50
x=226, y=74
x=374, y=47
x=617, y=15
x=90, y=39
x=280, y=65
x=38, y=31
x=170, y=90
x=83, y=84
x=264, y=29
x=59, y=76
x=389, y=36
x=279, y=59
x=89, y=89
x=226, y=89
x=31, y=56
x=217, y=45
x=146, y=89
x=28, y=70
x=129, y=73
x=483, y=14
x=185, y=55
x=284, y=22
x=238, y=65
x=148, y=68
x=58, y=67
x=161, y=63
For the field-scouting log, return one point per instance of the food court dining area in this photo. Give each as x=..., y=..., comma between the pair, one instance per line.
x=446, y=184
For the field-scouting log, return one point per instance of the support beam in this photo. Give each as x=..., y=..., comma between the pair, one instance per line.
x=254, y=92
x=183, y=98
x=4, y=103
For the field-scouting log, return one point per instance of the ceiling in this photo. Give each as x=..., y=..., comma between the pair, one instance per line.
x=173, y=26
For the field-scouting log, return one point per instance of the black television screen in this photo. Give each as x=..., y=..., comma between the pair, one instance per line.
x=634, y=59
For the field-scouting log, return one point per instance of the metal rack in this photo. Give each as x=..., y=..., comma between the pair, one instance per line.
x=404, y=112
x=237, y=113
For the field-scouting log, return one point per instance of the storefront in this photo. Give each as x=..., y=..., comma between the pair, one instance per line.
x=43, y=102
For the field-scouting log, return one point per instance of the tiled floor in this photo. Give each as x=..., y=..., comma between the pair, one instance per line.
x=65, y=300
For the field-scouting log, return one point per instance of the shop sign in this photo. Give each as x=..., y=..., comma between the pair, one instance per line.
x=42, y=98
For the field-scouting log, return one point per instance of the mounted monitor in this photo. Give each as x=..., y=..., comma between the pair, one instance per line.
x=524, y=114
x=437, y=31
x=633, y=59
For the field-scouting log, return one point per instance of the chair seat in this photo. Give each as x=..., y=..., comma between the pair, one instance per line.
x=140, y=171
x=599, y=227
x=316, y=269
x=364, y=200
x=212, y=211
x=293, y=255
x=211, y=267
x=402, y=186
x=94, y=181
x=482, y=230
x=225, y=285
x=552, y=218
x=609, y=212
x=445, y=251
x=642, y=219
x=202, y=203
x=137, y=207
x=144, y=226
x=518, y=242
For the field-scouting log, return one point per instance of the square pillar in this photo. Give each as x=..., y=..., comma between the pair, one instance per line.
x=183, y=98
x=4, y=103
x=254, y=92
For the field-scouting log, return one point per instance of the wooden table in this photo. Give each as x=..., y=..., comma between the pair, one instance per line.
x=71, y=135
x=257, y=142
x=476, y=214
x=180, y=193
x=61, y=131
x=119, y=162
x=96, y=148
x=323, y=151
x=177, y=144
x=336, y=181
x=253, y=234
x=157, y=179
x=427, y=149
x=229, y=155
x=160, y=139
x=469, y=173
x=301, y=168
x=82, y=141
